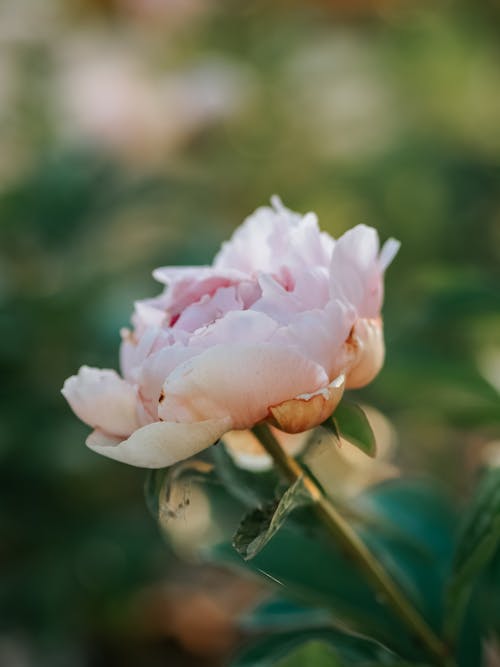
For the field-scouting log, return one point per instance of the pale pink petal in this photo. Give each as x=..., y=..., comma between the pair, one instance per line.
x=273, y=237
x=320, y=335
x=312, y=287
x=209, y=308
x=156, y=369
x=134, y=350
x=276, y=301
x=243, y=326
x=160, y=444
x=367, y=343
x=355, y=275
x=389, y=251
x=240, y=381
x=102, y=399
x=189, y=285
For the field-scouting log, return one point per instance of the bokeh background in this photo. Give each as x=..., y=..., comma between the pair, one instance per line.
x=139, y=133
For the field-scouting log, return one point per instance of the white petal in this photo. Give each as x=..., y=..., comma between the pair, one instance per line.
x=160, y=444
x=388, y=252
x=102, y=399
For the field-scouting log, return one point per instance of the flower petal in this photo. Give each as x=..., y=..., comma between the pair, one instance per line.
x=320, y=335
x=160, y=444
x=102, y=399
x=355, y=274
x=367, y=342
x=247, y=452
x=309, y=410
x=240, y=381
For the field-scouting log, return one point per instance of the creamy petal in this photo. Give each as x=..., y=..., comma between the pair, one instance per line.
x=367, y=343
x=247, y=452
x=240, y=381
x=102, y=399
x=160, y=444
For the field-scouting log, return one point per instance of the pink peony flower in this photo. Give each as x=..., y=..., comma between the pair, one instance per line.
x=284, y=319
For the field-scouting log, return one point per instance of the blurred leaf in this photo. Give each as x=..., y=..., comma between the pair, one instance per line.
x=259, y=525
x=408, y=526
x=350, y=422
x=309, y=648
x=315, y=653
x=163, y=483
x=251, y=488
x=281, y=614
x=479, y=539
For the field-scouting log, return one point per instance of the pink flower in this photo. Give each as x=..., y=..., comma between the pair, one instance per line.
x=282, y=321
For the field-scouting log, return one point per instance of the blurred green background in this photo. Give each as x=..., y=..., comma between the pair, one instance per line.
x=139, y=133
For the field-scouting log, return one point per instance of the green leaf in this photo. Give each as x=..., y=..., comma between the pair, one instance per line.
x=314, y=647
x=315, y=653
x=350, y=422
x=409, y=527
x=259, y=525
x=250, y=488
x=478, y=542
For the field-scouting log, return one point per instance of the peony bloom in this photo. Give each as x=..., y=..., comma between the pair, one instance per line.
x=284, y=319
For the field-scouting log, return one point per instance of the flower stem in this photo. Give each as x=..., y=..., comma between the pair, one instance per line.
x=349, y=541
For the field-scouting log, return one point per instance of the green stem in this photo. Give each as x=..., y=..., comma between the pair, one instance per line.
x=347, y=538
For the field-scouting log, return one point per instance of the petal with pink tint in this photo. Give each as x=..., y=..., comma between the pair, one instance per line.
x=367, y=342
x=356, y=273
x=156, y=369
x=244, y=326
x=240, y=381
x=103, y=400
x=135, y=350
x=188, y=284
x=160, y=444
x=209, y=308
x=320, y=335
x=276, y=302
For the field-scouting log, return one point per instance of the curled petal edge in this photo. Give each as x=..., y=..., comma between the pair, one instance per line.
x=160, y=444
x=307, y=410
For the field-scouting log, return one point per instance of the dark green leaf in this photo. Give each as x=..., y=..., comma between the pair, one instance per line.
x=408, y=526
x=351, y=423
x=478, y=542
x=259, y=525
